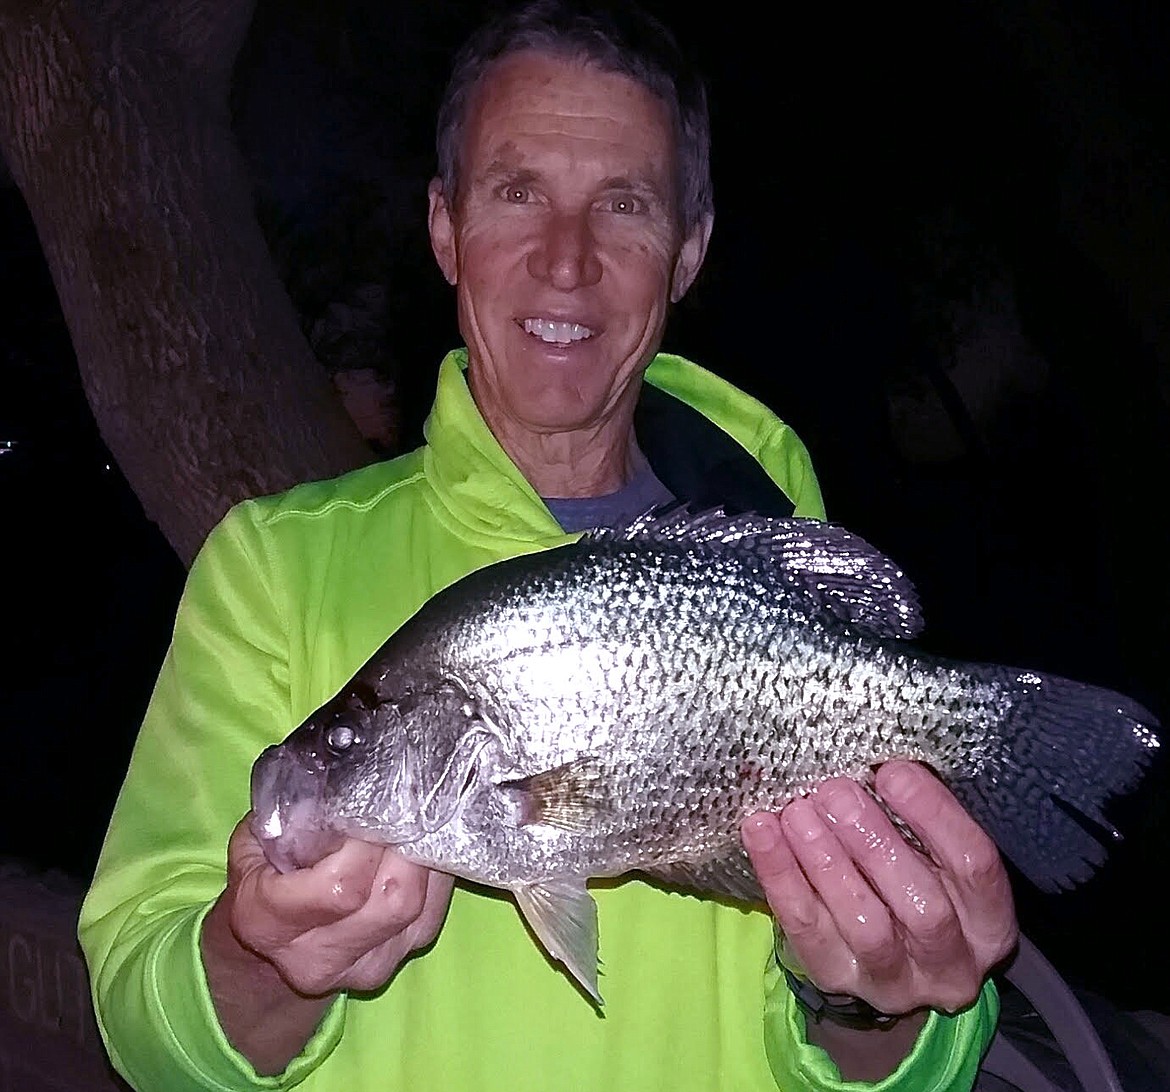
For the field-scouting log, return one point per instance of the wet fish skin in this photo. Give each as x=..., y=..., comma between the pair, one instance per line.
x=622, y=702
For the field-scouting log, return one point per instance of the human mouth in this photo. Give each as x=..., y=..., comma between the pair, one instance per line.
x=559, y=333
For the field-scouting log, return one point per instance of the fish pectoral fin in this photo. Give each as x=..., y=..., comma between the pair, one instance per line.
x=570, y=796
x=729, y=875
x=563, y=916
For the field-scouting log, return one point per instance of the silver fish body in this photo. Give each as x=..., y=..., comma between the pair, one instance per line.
x=621, y=703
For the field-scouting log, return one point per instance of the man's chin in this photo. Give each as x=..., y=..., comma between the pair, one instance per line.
x=565, y=417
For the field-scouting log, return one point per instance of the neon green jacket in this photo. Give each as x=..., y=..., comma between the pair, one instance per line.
x=290, y=595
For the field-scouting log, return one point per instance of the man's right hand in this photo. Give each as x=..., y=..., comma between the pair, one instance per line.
x=277, y=947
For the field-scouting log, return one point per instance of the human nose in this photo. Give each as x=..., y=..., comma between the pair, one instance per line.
x=566, y=253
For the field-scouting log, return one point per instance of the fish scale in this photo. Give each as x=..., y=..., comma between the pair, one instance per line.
x=622, y=702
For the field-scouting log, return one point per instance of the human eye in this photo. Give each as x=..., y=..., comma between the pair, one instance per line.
x=515, y=193
x=625, y=204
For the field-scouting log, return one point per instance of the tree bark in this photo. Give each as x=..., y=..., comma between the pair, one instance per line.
x=114, y=123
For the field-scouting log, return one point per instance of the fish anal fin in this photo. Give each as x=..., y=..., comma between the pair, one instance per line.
x=570, y=796
x=729, y=874
x=563, y=916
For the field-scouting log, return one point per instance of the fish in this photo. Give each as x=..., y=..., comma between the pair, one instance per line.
x=617, y=705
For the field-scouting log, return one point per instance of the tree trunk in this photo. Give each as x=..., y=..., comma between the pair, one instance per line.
x=114, y=123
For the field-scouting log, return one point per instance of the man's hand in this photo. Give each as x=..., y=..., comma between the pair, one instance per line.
x=867, y=914
x=344, y=924
x=278, y=946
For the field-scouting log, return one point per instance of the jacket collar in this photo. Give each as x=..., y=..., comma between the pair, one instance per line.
x=701, y=435
x=477, y=490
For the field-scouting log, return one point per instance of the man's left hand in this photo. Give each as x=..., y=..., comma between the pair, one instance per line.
x=867, y=914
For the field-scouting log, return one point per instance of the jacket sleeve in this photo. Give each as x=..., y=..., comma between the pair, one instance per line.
x=945, y=1058
x=222, y=695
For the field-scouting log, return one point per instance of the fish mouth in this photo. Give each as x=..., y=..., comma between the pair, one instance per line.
x=288, y=814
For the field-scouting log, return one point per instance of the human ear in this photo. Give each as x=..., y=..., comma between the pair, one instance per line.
x=690, y=258
x=442, y=231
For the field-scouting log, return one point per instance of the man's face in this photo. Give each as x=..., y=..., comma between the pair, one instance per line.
x=564, y=244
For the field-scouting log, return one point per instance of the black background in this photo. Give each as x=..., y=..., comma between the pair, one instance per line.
x=1039, y=538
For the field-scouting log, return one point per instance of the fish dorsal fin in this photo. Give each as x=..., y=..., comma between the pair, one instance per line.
x=569, y=797
x=563, y=916
x=832, y=568
x=729, y=875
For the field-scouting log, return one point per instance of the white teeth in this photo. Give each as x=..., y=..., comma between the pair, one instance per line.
x=559, y=332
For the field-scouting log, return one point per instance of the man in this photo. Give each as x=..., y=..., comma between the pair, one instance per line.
x=572, y=207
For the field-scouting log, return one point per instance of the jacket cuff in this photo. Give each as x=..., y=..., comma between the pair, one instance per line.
x=188, y=1023
x=945, y=1058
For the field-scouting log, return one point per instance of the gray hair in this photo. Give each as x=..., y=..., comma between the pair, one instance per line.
x=616, y=37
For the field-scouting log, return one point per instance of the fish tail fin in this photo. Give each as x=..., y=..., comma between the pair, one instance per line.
x=1066, y=749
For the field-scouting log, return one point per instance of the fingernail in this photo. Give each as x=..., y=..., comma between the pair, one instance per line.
x=841, y=802
x=759, y=833
x=803, y=821
x=898, y=781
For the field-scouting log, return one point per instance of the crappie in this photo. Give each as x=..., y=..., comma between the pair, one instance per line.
x=622, y=702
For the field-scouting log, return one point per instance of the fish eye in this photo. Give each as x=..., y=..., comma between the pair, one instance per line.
x=340, y=738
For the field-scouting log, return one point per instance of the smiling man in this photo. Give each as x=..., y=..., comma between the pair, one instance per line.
x=566, y=244
x=572, y=207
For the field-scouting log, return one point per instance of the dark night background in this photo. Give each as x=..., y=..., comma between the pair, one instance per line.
x=892, y=219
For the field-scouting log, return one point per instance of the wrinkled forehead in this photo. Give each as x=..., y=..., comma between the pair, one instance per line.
x=536, y=80
x=540, y=98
